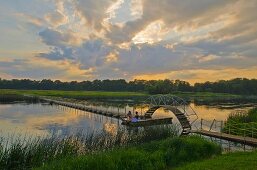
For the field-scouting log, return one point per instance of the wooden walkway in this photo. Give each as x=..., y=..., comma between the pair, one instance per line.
x=85, y=108
x=234, y=138
x=148, y=122
x=142, y=122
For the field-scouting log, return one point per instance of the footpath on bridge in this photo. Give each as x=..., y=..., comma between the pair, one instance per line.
x=234, y=138
x=144, y=121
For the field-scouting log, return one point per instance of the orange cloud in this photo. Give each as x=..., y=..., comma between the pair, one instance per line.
x=112, y=57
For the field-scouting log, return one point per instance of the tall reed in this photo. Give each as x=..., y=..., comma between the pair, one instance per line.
x=28, y=152
x=242, y=123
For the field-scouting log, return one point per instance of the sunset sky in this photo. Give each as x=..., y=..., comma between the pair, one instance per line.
x=192, y=40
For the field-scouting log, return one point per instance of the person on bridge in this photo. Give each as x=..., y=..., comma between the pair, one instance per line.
x=129, y=116
x=137, y=116
x=134, y=119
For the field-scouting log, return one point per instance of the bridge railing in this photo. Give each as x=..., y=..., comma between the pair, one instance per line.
x=211, y=125
x=241, y=129
x=230, y=127
x=193, y=117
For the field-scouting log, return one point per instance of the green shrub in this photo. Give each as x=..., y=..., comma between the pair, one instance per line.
x=252, y=114
x=242, y=124
x=180, y=150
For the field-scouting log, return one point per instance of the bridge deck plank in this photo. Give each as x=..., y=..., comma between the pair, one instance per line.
x=149, y=122
x=229, y=137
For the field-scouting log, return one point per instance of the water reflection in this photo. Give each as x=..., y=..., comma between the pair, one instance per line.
x=43, y=119
x=40, y=119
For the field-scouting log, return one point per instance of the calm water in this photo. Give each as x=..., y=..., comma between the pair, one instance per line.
x=43, y=119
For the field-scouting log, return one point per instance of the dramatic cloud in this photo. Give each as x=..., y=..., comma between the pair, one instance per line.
x=94, y=11
x=58, y=17
x=54, y=38
x=175, y=14
x=191, y=40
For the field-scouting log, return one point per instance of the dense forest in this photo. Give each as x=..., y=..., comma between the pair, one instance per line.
x=234, y=86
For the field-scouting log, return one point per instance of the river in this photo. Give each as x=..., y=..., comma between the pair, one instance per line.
x=40, y=119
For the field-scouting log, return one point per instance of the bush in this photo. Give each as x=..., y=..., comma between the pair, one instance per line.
x=242, y=123
x=181, y=150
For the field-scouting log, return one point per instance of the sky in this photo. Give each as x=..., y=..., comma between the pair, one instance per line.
x=191, y=40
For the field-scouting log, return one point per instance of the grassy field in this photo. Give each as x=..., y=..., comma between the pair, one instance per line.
x=74, y=94
x=230, y=161
x=204, y=94
x=170, y=152
x=105, y=94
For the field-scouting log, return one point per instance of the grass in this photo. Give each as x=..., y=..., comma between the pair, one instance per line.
x=230, y=161
x=25, y=153
x=242, y=124
x=151, y=148
x=209, y=98
x=170, y=152
x=199, y=96
x=74, y=94
x=250, y=116
x=205, y=94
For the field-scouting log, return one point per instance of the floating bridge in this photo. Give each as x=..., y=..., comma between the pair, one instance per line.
x=176, y=105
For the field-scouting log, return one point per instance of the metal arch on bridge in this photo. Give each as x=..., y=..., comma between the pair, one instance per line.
x=180, y=108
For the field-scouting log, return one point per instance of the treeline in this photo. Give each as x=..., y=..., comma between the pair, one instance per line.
x=234, y=86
